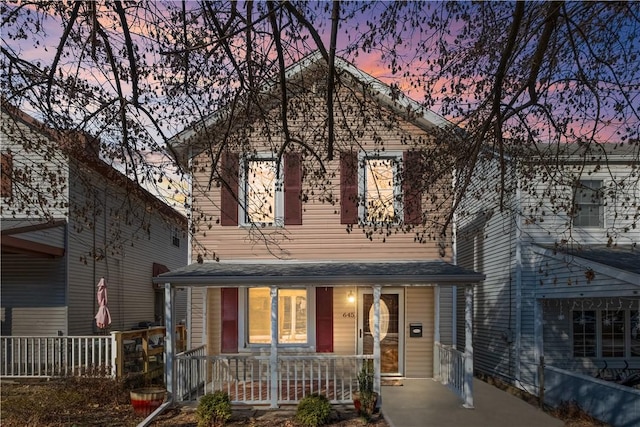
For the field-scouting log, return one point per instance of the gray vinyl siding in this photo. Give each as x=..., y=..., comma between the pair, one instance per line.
x=128, y=240
x=33, y=295
x=618, y=213
x=487, y=243
x=560, y=282
x=109, y=233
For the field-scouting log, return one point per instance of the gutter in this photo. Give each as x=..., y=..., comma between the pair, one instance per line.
x=407, y=280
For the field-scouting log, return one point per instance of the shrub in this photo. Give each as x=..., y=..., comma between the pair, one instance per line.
x=214, y=409
x=313, y=410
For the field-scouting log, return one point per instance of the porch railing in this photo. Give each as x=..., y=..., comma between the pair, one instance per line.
x=117, y=354
x=248, y=378
x=46, y=356
x=449, y=368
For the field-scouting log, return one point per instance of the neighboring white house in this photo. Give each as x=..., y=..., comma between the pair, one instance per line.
x=69, y=219
x=561, y=261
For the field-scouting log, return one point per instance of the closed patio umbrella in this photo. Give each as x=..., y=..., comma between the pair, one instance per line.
x=103, y=318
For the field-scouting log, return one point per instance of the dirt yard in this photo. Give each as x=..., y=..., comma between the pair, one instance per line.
x=99, y=402
x=102, y=402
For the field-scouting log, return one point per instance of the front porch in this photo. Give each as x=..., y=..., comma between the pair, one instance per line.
x=267, y=369
x=248, y=379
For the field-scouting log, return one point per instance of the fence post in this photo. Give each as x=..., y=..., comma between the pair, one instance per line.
x=117, y=354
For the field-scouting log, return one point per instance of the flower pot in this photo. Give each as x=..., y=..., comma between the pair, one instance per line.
x=146, y=400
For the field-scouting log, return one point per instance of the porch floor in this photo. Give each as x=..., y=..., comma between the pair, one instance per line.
x=425, y=402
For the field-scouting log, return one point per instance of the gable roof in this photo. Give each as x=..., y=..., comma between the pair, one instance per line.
x=85, y=149
x=300, y=273
x=625, y=258
x=347, y=73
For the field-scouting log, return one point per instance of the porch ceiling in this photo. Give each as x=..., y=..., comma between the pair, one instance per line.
x=295, y=273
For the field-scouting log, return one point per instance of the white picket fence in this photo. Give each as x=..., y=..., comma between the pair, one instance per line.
x=46, y=356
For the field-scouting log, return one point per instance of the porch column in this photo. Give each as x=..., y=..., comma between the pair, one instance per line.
x=377, y=291
x=436, y=334
x=468, y=348
x=273, y=358
x=169, y=345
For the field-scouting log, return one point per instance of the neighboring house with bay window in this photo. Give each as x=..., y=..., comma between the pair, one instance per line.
x=562, y=268
x=69, y=219
x=291, y=278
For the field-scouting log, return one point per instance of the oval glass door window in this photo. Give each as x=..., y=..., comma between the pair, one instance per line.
x=384, y=319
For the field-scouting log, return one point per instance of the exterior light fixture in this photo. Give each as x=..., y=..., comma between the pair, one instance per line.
x=351, y=298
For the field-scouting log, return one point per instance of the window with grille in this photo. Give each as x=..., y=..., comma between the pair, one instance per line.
x=589, y=206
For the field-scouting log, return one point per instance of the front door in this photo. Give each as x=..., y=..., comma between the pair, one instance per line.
x=391, y=327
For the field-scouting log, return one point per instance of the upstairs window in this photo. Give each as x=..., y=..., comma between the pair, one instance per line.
x=263, y=196
x=380, y=189
x=589, y=206
x=175, y=237
x=255, y=191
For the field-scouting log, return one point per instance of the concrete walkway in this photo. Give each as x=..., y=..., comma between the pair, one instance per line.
x=427, y=403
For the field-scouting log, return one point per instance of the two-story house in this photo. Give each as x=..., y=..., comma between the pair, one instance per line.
x=562, y=266
x=70, y=219
x=308, y=258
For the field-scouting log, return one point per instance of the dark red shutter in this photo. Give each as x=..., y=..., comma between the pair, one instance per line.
x=293, y=189
x=348, y=187
x=229, y=316
x=229, y=188
x=412, y=188
x=324, y=320
x=6, y=168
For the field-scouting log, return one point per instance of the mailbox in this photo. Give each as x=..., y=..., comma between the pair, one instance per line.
x=415, y=330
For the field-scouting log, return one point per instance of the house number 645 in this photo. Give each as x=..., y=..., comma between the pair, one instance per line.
x=351, y=315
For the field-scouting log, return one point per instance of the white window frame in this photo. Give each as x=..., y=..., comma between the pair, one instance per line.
x=599, y=338
x=601, y=206
x=243, y=219
x=243, y=322
x=398, y=196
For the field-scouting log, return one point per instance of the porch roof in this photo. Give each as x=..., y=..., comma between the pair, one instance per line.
x=334, y=273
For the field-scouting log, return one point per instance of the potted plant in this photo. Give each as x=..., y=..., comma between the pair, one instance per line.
x=365, y=399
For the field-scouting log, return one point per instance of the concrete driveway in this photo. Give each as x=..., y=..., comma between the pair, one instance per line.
x=427, y=403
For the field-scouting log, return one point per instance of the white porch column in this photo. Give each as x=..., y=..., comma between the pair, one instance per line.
x=170, y=343
x=273, y=358
x=436, y=334
x=538, y=331
x=377, y=291
x=468, y=348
